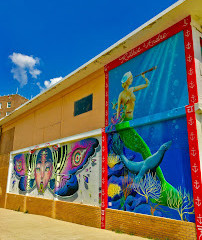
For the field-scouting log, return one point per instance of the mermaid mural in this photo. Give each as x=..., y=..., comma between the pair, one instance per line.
x=133, y=140
x=127, y=97
x=135, y=179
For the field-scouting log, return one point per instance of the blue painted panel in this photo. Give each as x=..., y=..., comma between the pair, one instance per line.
x=153, y=197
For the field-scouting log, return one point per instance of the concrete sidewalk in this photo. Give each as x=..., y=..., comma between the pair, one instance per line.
x=20, y=226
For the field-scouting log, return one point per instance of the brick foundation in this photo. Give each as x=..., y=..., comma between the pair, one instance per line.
x=39, y=206
x=70, y=212
x=15, y=202
x=149, y=226
x=78, y=213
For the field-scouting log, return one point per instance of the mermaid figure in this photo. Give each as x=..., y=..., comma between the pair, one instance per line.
x=131, y=138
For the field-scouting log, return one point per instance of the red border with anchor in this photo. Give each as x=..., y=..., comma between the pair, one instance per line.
x=183, y=25
x=192, y=129
x=104, y=197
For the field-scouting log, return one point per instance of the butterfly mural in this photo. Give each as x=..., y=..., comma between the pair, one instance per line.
x=54, y=169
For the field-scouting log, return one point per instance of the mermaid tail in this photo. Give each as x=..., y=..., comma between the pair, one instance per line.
x=134, y=142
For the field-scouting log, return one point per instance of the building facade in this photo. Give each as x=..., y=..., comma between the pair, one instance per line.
x=117, y=143
x=9, y=103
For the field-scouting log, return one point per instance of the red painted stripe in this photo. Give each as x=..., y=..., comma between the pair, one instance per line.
x=190, y=65
x=195, y=167
x=192, y=129
x=106, y=98
x=104, y=201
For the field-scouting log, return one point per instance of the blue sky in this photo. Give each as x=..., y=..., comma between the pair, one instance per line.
x=42, y=41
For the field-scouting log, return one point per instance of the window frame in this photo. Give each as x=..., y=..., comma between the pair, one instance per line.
x=82, y=101
x=8, y=104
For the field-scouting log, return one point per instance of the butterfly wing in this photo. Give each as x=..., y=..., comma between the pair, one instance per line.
x=79, y=155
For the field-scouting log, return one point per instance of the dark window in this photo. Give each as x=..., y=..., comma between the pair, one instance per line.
x=8, y=104
x=83, y=105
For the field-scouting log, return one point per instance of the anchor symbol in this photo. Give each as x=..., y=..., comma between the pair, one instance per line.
x=195, y=168
x=189, y=58
x=188, y=46
x=193, y=152
x=191, y=85
x=191, y=121
x=187, y=34
x=192, y=136
x=198, y=201
x=199, y=219
x=185, y=22
x=191, y=71
x=193, y=98
x=196, y=184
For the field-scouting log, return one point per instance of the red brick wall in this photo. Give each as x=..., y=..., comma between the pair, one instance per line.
x=16, y=101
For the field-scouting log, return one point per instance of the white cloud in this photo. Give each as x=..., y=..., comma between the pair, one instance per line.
x=24, y=64
x=52, y=82
x=34, y=72
x=48, y=83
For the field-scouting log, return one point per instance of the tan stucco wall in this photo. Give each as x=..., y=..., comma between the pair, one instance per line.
x=54, y=118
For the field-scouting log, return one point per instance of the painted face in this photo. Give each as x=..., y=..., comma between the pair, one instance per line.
x=130, y=80
x=20, y=165
x=44, y=169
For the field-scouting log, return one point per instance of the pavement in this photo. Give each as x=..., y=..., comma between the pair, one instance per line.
x=22, y=226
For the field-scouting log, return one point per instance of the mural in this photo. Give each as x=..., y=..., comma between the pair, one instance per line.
x=149, y=166
x=149, y=83
x=66, y=172
x=148, y=179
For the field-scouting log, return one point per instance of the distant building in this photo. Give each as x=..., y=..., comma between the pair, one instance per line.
x=9, y=103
